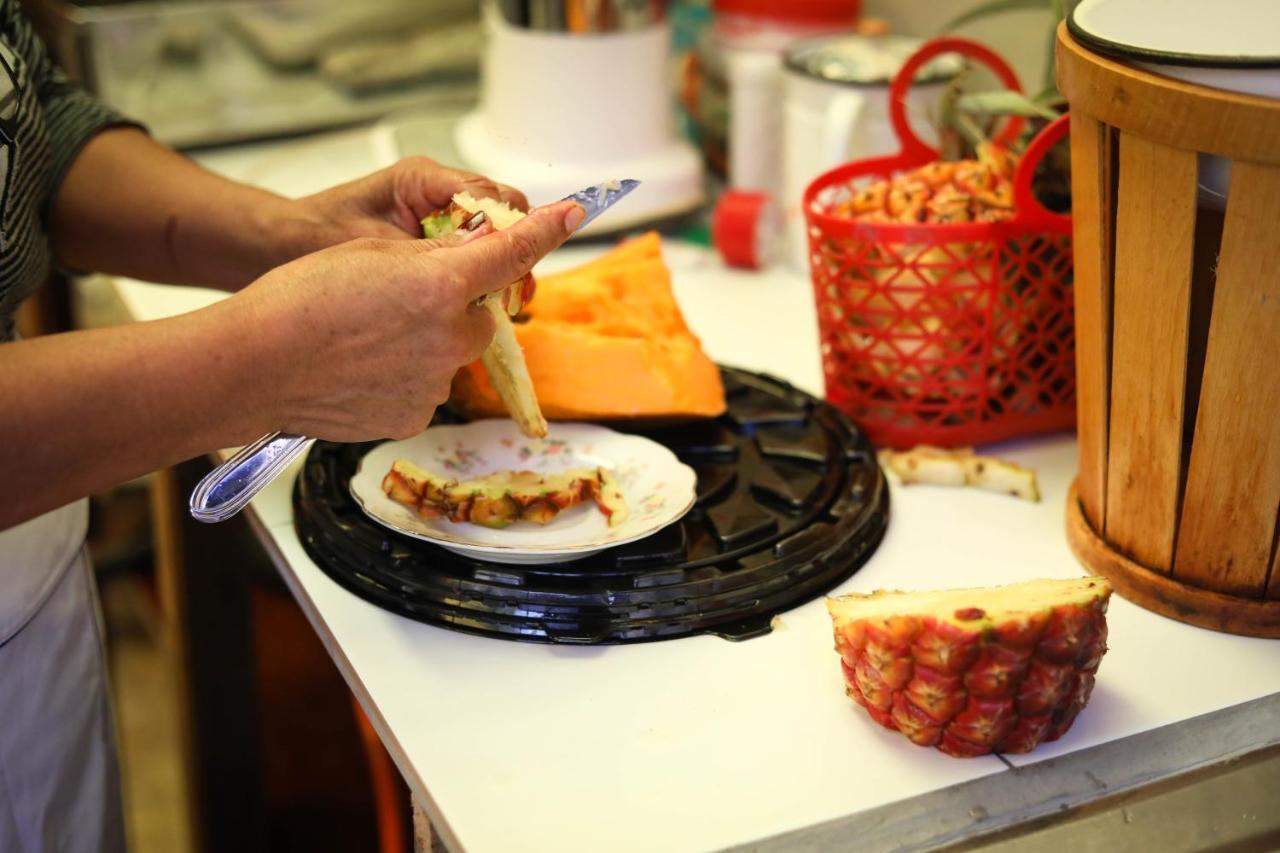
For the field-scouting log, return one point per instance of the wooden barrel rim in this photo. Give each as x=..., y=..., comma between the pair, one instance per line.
x=1165, y=110
x=1162, y=594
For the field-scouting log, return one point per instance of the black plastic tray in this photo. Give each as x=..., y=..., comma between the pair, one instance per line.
x=790, y=503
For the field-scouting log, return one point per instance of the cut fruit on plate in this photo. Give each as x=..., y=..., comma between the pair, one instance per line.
x=642, y=488
x=974, y=671
x=503, y=359
x=502, y=498
x=961, y=467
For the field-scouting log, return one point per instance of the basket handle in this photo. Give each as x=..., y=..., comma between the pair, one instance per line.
x=912, y=146
x=1025, y=202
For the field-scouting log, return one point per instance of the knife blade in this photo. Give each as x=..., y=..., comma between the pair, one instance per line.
x=595, y=200
x=599, y=198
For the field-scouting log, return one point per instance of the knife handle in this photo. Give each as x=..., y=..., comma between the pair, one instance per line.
x=228, y=488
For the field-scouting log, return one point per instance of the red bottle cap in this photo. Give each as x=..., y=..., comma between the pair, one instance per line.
x=742, y=228
x=836, y=12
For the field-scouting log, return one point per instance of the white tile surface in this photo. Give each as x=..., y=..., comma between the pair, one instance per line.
x=686, y=744
x=700, y=743
x=146, y=301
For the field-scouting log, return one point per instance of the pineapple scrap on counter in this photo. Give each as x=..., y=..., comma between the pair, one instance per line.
x=937, y=466
x=504, y=497
x=974, y=671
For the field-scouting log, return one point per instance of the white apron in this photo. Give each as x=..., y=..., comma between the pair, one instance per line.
x=59, y=779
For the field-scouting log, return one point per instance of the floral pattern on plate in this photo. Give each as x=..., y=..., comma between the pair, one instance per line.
x=459, y=460
x=658, y=488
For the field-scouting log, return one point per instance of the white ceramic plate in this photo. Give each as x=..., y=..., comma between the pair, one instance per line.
x=658, y=488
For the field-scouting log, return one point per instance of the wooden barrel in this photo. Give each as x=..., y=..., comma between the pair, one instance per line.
x=1177, y=500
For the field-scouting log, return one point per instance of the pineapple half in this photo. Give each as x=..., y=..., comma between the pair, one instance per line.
x=974, y=671
x=503, y=359
x=504, y=497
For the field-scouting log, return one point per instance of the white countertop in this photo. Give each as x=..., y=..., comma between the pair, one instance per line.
x=701, y=743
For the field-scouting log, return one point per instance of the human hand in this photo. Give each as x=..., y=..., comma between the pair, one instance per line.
x=388, y=204
x=362, y=340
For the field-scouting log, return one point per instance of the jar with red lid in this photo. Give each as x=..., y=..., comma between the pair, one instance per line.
x=731, y=86
x=772, y=25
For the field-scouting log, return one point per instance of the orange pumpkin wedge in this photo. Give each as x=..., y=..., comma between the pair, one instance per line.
x=607, y=341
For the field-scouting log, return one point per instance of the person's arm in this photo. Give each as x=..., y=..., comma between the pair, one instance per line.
x=352, y=343
x=89, y=410
x=129, y=205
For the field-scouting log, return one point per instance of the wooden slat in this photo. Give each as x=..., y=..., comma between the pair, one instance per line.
x=1215, y=121
x=1154, y=227
x=1273, y=585
x=1163, y=594
x=1092, y=240
x=1233, y=487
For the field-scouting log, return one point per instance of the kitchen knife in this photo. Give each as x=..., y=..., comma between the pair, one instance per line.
x=228, y=488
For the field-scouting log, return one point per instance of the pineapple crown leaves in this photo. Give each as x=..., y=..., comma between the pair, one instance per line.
x=1002, y=102
x=966, y=116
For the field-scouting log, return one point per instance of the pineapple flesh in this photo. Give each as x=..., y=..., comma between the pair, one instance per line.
x=503, y=359
x=504, y=497
x=974, y=671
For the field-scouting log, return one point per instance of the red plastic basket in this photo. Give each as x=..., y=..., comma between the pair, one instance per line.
x=945, y=334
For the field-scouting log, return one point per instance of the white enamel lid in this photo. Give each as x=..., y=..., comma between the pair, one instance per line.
x=1219, y=34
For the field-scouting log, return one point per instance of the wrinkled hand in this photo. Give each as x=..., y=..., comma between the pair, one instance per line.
x=364, y=340
x=389, y=204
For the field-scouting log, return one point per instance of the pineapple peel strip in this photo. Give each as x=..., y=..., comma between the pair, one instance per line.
x=503, y=359
x=961, y=467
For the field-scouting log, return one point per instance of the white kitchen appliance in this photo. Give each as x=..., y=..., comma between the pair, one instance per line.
x=573, y=94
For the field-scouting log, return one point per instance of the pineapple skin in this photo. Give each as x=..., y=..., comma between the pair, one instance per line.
x=1004, y=687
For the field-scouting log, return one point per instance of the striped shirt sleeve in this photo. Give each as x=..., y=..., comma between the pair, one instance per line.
x=73, y=117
